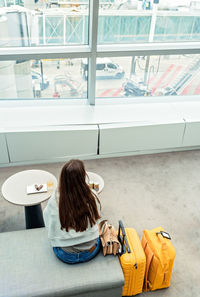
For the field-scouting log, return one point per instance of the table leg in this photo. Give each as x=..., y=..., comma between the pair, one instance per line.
x=34, y=216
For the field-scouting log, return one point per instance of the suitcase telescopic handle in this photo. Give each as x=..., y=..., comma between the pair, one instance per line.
x=121, y=227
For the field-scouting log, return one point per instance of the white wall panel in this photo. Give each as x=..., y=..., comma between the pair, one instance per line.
x=118, y=138
x=3, y=150
x=53, y=143
x=192, y=134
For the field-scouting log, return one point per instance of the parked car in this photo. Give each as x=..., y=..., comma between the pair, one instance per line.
x=105, y=69
x=169, y=91
x=37, y=79
x=135, y=87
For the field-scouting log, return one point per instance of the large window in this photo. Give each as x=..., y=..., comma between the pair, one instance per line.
x=148, y=76
x=148, y=21
x=81, y=49
x=41, y=22
x=42, y=79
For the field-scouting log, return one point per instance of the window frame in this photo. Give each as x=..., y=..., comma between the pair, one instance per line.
x=92, y=51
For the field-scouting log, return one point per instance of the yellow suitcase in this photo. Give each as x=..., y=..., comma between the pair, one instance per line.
x=160, y=255
x=132, y=259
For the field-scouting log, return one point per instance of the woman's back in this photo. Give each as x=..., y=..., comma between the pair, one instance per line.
x=76, y=198
x=71, y=216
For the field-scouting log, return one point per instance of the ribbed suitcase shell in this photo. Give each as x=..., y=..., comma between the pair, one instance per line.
x=152, y=244
x=133, y=264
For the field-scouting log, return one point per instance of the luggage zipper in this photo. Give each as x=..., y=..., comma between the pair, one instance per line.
x=135, y=265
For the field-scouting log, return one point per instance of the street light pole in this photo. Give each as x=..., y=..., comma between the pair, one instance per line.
x=151, y=38
x=41, y=69
x=133, y=60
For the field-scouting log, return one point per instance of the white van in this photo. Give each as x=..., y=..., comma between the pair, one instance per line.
x=105, y=69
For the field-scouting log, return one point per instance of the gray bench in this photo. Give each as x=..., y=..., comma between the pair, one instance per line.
x=29, y=268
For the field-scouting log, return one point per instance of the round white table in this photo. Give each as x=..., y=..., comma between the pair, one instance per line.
x=14, y=190
x=96, y=178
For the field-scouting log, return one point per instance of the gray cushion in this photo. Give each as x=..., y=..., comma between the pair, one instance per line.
x=30, y=268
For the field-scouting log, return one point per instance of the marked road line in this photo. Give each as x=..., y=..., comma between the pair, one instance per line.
x=151, y=79
x=169, y=69
x=117, y=92
x=187, y=88
x=173, y=76
x=197, y=90
x=106, y=92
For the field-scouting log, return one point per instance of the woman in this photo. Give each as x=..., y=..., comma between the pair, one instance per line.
x=71, y=216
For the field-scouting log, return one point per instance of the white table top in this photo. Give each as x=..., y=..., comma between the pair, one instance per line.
x=14, y=188
x=96, y=179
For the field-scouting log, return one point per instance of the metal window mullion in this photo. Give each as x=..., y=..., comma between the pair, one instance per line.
x=44, y=28
x=93, y=31
x=122, y=50
x=84, y=51
x=64, y=30
x=53, y=52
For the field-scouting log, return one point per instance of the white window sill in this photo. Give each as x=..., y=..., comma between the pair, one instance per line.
x=25, y=115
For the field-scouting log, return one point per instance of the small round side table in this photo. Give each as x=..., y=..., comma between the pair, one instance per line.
x=14, y=190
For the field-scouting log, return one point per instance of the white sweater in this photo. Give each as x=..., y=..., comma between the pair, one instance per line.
x=61, y=238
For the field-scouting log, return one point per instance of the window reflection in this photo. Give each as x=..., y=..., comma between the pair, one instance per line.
x=41, y=22
x=40, y=79
x=150, y=76
x=148, y=20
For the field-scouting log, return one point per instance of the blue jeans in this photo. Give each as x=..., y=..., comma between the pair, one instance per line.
x=73, y=258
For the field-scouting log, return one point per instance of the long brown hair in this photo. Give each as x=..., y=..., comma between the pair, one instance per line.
x=77, y=203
